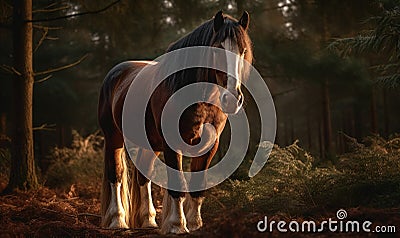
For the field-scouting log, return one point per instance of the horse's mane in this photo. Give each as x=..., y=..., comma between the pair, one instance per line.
x=204, y=36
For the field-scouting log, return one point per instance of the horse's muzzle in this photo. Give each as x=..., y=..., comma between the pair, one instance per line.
x=231, y=104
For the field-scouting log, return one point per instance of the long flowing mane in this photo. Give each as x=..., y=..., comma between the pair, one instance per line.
x=204, y=36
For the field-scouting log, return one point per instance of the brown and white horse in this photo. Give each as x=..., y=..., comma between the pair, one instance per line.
x=126, y=200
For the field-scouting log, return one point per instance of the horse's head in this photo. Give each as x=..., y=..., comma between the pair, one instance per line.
x=231, y=35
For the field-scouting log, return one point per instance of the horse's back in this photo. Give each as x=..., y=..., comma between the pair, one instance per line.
x=113, y=92
x=118, y=75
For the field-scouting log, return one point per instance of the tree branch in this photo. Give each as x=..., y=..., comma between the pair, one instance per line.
x=45, y=32
x=76, y=14
x=46, y=27
x=43, y=79
x=52, y=38
x=51, y=5
x=10, y=69
x=45, y=127
x=62, y=67
x=51, y=10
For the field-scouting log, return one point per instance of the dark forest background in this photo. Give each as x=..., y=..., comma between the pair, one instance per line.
x=323, y=92
x=332, y=67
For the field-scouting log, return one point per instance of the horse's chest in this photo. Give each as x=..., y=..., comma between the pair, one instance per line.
x=203, y=113
x=193, y=119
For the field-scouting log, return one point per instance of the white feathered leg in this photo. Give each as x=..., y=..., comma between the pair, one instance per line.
x=174, y=220
x=147, y=211
x=193, y=212
x=115, y=212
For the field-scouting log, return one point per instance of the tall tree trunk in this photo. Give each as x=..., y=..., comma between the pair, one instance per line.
x=386, y=112
x=287, y=139
x=374, y=121
x=326, y=110
x=291, y=131
x=3, y=124
x=346, y=124
x=320, y=141
x=23, y=175
x=352, y=122
x=326, y=120
x=359, y=120
x=309, y=133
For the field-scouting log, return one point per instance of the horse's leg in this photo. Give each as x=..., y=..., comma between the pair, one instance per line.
x=174, y=220
x=195, y=200
x=147, y=212
x=114, y=199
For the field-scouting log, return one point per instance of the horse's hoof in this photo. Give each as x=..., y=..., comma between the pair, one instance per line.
x=118, y=224
x=194, y=223
x=179, y=230
x=149, y=224
x=174, y=229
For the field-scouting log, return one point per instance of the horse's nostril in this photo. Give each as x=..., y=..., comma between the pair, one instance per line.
x=224, y=98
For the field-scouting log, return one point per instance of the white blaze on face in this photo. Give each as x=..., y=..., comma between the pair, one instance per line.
x=232, y=98
x=234, y=66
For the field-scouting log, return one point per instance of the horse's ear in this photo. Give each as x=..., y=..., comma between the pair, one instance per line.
x=244, y=20
x=218, y=21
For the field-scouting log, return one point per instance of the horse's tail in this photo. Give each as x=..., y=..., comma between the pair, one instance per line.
x=130, y=193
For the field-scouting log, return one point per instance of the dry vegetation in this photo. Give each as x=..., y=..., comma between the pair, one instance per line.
x=293, y=185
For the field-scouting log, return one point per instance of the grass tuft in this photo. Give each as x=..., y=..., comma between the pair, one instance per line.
x=81, y=163
x=293, y=183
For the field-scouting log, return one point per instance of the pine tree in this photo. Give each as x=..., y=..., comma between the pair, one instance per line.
x=383, y=40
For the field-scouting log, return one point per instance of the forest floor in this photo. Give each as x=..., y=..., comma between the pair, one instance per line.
x=293, y=187
x=75, y=213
